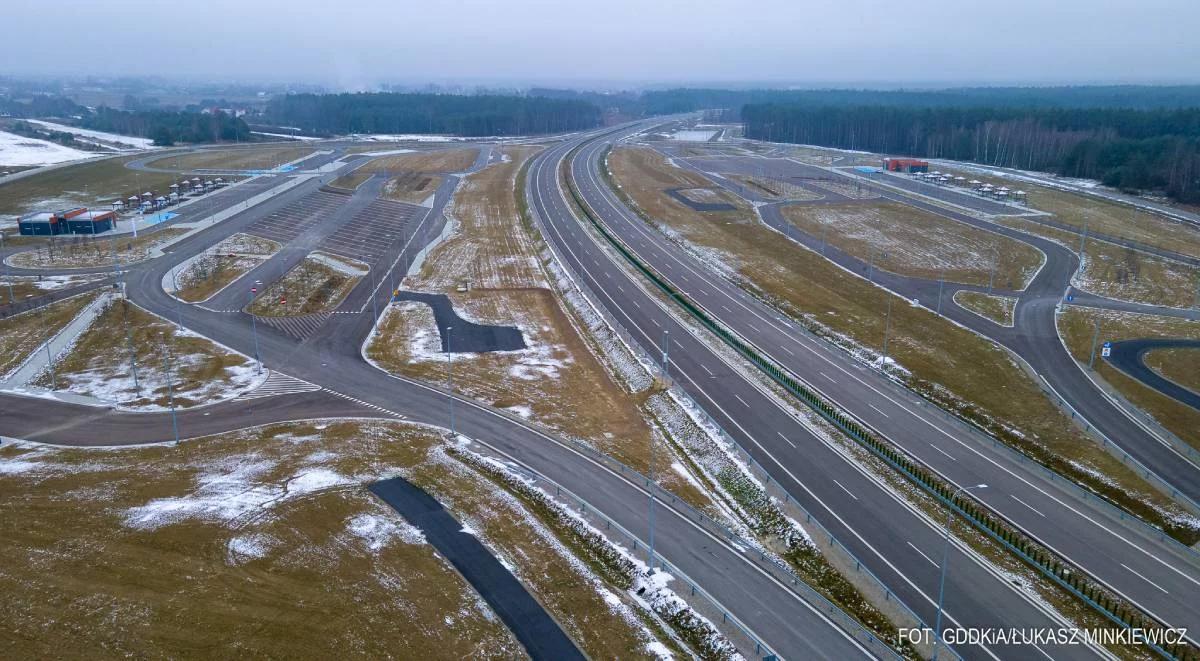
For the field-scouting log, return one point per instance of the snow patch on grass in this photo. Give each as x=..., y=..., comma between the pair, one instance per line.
x=377, y=531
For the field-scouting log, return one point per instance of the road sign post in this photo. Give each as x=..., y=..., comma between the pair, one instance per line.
x=1095, y=339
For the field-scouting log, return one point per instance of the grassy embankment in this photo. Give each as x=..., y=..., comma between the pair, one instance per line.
x=266, y=542
x=192, y=368
x=1077, y=327
x=310, y=287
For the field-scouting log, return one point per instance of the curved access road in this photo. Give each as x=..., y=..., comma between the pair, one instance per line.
x=1129, y=356
x=748, y=587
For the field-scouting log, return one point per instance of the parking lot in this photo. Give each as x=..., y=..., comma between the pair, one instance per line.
x=372, y=231
x=290, y=221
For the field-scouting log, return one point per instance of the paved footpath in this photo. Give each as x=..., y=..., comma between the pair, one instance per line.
x=519, y=611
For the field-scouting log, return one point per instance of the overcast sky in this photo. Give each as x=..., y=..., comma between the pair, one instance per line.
x=356, y=44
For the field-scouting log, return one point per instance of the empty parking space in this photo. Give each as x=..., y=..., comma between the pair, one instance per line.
x=290, y=221
x=372, y=231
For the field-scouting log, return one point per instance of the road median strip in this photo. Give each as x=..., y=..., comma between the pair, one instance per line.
x=1077, y=582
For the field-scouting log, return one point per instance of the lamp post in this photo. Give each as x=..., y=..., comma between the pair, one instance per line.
x=171, y=392
x=937, y=626
x=450, y=381
x=254, y=327
x=12, y=300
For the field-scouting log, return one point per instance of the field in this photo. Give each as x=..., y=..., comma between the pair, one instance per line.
x=318, y=283
x=956, y=368
x=1179, y=365
x=266, y=543
x=30, y=285
x=222, y=264
x=263, y=158
x=350, y=181
x=557, y=381
x=92, y=184
x=22, y=333
x=445, y=160
x=83, y=251
x=196, y=370
x=917, y=243
x=999, y=309
x=411, y=187
x=1121, y=273
x=1077, y=327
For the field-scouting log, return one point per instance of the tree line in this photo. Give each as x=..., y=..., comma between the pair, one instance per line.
x=166, y=127
x=1138, y=97
x=1134, y=150
x=475, y=115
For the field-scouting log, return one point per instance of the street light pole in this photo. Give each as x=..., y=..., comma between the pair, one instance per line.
x=941, y=286
x=937, y=627
x=450, y=381
x=12, y=300
x=171, y=393
x=129, y=341
x=887, y=329
x=254, y=330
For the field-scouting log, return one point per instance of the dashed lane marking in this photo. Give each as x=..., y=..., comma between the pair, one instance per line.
x=362, y=403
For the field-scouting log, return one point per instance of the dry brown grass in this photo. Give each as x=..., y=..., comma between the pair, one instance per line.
x=84, y=251
x=225, y=262
x=999, y=309
x=22, y=333
x=84, y=571
x=444, y=160
x=411, y=187
x=1179, y=365
x=308, y=288
x=98, y=364
x=1077, y=327
x=233, y=159
x=954, y=367
x=1122, y=273
x=563, y=384
x=917, y=243
x=351, y=181
x=86, y=184
x=24, y=286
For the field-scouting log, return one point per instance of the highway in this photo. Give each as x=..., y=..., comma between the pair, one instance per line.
x=1158, y=574
x=897, y=541
x=330, y=357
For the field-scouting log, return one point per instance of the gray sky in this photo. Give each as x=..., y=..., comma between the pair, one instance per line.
x=357, y=44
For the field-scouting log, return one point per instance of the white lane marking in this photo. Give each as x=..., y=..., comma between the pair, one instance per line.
x=727, y=308
x=827, y=376
x=741, y=400
x=789, y=442
x=846, y=490
x=1028, y=505
x=923, y=555
x=705, y=367
x=788, y=350
x=654, y=322
x=1144, y=578
x=878, y=410
x=942, y=451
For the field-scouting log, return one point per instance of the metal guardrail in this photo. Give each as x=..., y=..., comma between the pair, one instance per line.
x=790, y=577
x=982, y=518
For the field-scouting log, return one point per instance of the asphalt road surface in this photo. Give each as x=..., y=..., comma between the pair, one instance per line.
x=1129, y=356
x=1082, y=529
